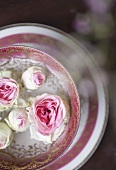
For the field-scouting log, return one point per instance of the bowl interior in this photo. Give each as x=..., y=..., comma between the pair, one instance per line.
x=25, y=152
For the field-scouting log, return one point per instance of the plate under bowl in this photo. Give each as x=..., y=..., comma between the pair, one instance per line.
x=81, y=66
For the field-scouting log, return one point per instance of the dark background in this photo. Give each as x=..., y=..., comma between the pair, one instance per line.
x=94, y=23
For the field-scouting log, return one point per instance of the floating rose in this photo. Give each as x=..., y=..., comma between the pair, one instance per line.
x=6, y=135
x=18, y=120
x=46, y=114
x=9, y=90
x=33, y=77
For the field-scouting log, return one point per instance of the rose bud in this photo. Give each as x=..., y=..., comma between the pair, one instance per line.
x=33, y=78
x=6, y=135
x=18, y=120
x=9, y=90
x=46, y=114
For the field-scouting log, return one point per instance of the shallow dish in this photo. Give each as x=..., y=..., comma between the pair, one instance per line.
x=25, y=153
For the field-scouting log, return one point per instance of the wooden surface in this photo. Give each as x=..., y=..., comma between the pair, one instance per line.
x=60, y=14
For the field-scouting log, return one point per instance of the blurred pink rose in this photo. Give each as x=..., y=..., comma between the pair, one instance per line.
x=82, y=24
x=46, y=113
x=99, y=6
x=9, y=90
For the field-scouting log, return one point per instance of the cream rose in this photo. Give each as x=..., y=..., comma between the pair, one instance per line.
x=18, y=120
x=9, y=90
x=6, y=135
x=33, y=78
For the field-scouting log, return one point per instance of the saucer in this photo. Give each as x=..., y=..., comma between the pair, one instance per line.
x=86, y=75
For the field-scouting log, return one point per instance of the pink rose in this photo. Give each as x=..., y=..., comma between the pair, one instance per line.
x=47, y=113
x=33, y=77
x=9, y=90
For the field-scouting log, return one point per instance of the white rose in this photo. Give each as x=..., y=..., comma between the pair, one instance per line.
x=33, y=78
x=6, y=135
x=18, y=120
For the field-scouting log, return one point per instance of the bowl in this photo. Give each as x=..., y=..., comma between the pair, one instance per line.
x=26, y=153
